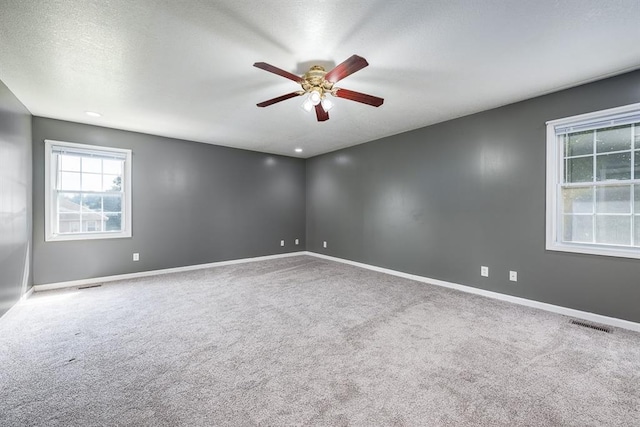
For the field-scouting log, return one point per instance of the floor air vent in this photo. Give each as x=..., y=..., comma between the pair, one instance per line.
x=592, y=326
x=90, y=286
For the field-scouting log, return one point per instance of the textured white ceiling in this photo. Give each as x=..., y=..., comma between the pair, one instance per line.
x=184, y=68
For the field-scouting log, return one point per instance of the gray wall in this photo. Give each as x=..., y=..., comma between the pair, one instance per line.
x=15, y=196
x=192, y=203
x=443, y=200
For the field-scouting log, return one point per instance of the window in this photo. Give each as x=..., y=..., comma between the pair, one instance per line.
x=88, y=191
x=593, y=183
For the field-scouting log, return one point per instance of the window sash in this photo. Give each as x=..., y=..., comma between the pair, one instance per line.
x=606, y=122
x=82, y=212
x=621, y=236
x=102, y=153
x=82, y=229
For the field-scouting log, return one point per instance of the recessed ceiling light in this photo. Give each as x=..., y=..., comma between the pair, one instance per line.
x=93, y=114
x=298, y=150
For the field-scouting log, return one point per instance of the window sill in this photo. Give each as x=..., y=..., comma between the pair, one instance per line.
x=610, y=251
x=86, y=236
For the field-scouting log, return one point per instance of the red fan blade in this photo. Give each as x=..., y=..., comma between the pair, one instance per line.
x=278, y=99
x=359, y=97
x=348, y=67
x=321, y=114
x=278, y=71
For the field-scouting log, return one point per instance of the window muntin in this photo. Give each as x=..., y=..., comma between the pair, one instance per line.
x=593, y=183
x=88, y=191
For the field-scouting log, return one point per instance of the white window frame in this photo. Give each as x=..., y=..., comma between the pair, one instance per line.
x=50, y=194
x=555, y=172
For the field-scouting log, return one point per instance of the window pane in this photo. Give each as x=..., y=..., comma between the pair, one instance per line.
x=69, y=223
x=578, y=228
x=613, y=139
x=92, y=226
x=112, y=203
x=68, y=213
x=90, y=164
x=577, y=200
x=579, y=170
x=636, y=132
x=113, y=167
x=111, y=183
x=636, y=234
x=615, y=199
x=70, y=163
x=113, y=222
x=579, y=143
x=613, y=166
x=637, y=199
x=613, y=229
x=92, y=217
x=91, y=182
x=636, y=166
x=91, y=203
x=69, y=202
x=69, y=181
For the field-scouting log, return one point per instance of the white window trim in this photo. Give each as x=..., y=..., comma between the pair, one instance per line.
x=554, y=157
x=49, y=179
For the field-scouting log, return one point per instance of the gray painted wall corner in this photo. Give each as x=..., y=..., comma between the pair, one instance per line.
x=15, y=199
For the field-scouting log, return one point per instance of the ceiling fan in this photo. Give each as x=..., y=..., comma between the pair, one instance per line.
x=317, y=83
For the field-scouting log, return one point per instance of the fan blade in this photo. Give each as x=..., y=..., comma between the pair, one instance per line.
x=321, y=114
x=347, y=68
x=278, y=71
x=359, y=97
x=278, y=99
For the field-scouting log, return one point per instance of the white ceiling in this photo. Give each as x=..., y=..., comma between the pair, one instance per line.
x=184, y=68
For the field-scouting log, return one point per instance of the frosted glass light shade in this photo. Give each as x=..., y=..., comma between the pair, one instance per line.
x=307, y=105
x=314, y=97
x=327, y=104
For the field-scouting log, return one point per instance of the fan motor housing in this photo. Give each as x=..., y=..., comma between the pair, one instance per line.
x=314, y=80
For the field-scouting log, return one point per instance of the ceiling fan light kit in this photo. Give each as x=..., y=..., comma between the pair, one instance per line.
x=317, y=83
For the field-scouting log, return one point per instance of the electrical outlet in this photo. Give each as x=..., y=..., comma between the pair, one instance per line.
x=513, y=276
x=324, y=244
x=297, y=241
x=281, y=242
x=484, y=271
x=136, y=256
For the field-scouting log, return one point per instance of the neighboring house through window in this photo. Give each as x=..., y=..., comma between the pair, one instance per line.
x=593, y=183
x=88, y=191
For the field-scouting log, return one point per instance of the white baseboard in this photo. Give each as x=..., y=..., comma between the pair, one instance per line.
x=592, y=317
x=93, y=280
x=27, y=294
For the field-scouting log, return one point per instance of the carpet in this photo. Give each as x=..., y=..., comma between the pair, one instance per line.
x=302, y=341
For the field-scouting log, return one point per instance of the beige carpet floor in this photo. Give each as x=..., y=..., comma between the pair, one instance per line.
x=304, y=341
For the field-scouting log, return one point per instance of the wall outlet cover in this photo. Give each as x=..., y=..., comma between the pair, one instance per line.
x=484, y=271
